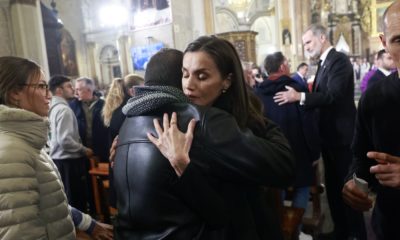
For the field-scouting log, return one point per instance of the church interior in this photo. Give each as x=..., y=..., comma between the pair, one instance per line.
x=108, y=39
x=105, y=39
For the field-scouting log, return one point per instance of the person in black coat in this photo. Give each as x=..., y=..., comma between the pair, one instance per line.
x=297, y=124
x=158, y=199
x=385, y=65
x=333, y=95
x=376, y=147
x=119, y=93
x=88, y=108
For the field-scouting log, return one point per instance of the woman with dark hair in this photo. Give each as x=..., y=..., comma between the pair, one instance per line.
x=213, y=76
x=211, y=192
x=33, y=204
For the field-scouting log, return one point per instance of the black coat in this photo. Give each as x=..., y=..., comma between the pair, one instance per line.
x=100, y=134
x=298, y=125
x=333, y=94
x=377, y=129
x=378, y=75
x=217, y=197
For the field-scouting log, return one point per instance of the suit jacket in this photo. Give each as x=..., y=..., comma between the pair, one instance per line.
x=378, y=75
x=300, y=80
x=333, y=94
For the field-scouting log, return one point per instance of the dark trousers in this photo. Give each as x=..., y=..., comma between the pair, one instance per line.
x=347, y=222
x=74, y=175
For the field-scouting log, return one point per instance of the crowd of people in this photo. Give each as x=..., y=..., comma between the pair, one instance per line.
x=200, y=148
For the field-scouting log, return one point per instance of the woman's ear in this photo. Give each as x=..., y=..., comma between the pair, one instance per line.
x=227, y=82
x=14, y=97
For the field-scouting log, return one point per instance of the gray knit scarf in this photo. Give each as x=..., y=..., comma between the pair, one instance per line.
x=149, y=98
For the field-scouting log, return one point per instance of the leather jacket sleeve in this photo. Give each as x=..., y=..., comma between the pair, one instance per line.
x=237, y=155
x=195, y=190
x=240, y=156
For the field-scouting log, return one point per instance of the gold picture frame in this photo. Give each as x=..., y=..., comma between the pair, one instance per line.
x=378, y=7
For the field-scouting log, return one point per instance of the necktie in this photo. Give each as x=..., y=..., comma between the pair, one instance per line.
x=316, y=79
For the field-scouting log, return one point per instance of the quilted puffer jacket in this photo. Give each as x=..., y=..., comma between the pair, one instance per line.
x=32, y=202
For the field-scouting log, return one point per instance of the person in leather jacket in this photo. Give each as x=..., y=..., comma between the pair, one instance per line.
x=216, y=195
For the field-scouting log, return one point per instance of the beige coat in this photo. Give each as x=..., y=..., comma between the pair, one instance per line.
x=32, y=201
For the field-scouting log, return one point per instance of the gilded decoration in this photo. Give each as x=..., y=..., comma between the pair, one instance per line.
x=378, y=7
x=366, y=16
x=343, y=27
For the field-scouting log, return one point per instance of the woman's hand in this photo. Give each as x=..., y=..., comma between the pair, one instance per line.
x=173, y=143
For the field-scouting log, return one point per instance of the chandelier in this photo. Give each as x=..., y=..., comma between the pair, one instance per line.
x=238, y=5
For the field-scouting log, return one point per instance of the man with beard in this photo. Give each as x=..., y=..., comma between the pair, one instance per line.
x=66, y=148
x=333, y=95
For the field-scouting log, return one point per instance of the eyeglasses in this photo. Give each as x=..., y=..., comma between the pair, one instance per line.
x=43, y=86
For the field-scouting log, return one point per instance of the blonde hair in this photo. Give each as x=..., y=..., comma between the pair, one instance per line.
x=114, y=99
x=117, y=93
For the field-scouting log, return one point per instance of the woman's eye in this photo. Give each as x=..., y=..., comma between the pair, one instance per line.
x=202, y=76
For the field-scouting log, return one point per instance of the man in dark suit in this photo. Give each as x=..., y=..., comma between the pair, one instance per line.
x=333, y=95
x=385, y=65
x=300, y=75
x=376, y=148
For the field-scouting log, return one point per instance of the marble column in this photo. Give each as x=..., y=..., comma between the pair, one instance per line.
x=27, y=28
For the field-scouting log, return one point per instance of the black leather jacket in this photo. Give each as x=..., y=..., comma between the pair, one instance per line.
x=153, y=203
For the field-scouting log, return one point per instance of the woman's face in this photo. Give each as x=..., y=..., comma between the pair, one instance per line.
x=202, y=82
x=35, y=96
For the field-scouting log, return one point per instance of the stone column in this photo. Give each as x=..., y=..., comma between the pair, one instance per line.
x=6, y=47
x=91, y=55
x=27, y=26
x=124, y=54
x=357, y=37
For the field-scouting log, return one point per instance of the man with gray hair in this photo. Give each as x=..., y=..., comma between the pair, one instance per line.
x=94, y=134
x=87, y=108
x=333, y=95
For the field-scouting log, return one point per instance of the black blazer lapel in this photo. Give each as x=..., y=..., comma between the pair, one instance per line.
x=324, y=68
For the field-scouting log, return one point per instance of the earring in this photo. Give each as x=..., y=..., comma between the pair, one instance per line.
x=223, y=90
x=17, y=103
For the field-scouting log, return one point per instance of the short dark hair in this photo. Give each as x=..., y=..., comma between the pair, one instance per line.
x=56, y=81
x=273, y=61
x=165, y=69
x=380, y=53
x=303, y=64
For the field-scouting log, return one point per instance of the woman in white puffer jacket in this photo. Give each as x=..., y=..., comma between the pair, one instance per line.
x=33, y=204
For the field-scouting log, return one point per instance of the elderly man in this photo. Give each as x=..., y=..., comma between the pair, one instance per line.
x=87, y=108
x=333, y=95
x=376, y=145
